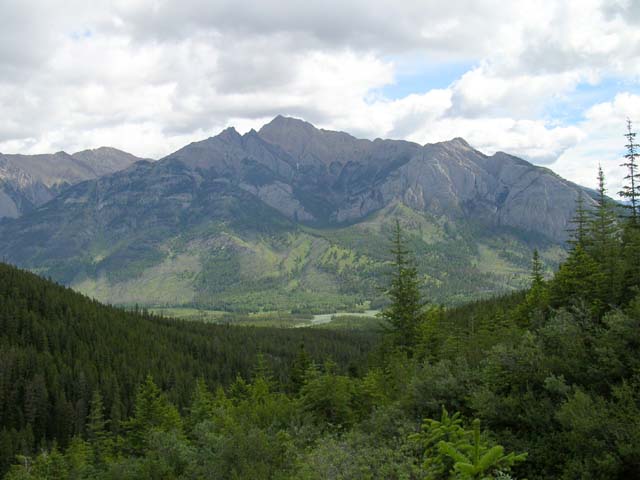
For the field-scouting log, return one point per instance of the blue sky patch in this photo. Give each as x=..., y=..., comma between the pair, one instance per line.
x=422, y=77
x=570, y=108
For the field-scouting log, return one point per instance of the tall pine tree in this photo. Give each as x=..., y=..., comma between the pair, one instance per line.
x=605, y=247
x=631, y=230
x=580, y=222
x=97, y=432
x=406, y=309
x=631, y=190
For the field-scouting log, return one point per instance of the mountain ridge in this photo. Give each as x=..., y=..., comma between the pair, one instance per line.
x=29, y=181
x=295, y=217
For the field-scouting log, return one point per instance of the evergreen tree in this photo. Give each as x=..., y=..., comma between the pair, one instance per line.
x=631, y=190
x=537, y=279
x=202, y=405
x=630, y=261
x=631, y=230
x=476, y=459
x=580, y=221
x=575, y=280
x=299, y=368
x=97, y=432
x=405, y=312
x=605, y=247
x=262, y=371
x=152, y=412
x=536, y=301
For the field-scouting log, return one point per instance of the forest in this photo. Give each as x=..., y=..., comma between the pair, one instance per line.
x=538, y=384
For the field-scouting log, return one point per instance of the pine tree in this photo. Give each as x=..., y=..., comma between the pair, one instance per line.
x=575, y=280
x=605, y=247
x=631, y=230
x=152, y=411
x=405, y=312
x=532, y=310
x=299, y=369
x=580, y=221
x=631, y=190
x=202, y=405
x=97, y=432
x=537, y=278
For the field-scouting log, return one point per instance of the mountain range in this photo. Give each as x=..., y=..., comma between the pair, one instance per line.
x=28, y=181
x=295, y=217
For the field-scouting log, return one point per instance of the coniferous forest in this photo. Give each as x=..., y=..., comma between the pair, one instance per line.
x=538, y=384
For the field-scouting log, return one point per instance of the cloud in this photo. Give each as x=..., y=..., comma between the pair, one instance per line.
x=149, y=76
x=603, y=143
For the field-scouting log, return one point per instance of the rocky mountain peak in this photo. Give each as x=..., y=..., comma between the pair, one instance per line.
x=229, y=134
x=460, y=142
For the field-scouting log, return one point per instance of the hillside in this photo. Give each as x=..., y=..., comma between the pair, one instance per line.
x=57, y=347
x=296, y=218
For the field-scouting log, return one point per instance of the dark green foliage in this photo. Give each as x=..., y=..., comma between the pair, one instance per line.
x=594, y=271
x=580, y=224
x=97, y=432
x=152, y=412
x=59, y=348
x=404, y=313
x=605, y=246
x=328, y=398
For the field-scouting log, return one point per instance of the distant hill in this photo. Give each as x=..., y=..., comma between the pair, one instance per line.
x=294, y=217
x=28, y=181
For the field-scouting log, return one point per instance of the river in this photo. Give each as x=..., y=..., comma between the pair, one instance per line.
x=327, y=317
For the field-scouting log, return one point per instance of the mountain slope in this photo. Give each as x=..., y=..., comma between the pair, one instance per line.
x=293, y=217
x=28, y=181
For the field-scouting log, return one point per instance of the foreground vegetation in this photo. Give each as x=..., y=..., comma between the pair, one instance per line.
x=539, y=384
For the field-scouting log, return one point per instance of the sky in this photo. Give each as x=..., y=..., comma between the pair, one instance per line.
x=551, y=81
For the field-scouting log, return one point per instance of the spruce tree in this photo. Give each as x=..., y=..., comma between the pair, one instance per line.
x=580, y=222
x=576, y=279
x=299, y=368
x=631, y=230
x=537, y=278
x=202, y=405
x=605, y=246
x=152, y=412
x=536, y=301
x=406, y=309
x=97, y=432
x=631, y=190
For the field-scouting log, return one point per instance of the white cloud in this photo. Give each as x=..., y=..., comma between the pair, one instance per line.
x=149, y=76
x=603, y=143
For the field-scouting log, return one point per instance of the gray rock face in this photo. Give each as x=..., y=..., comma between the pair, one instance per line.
x=20, y=192
x=325, y=177
x=105, y=160
x=28, y=181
